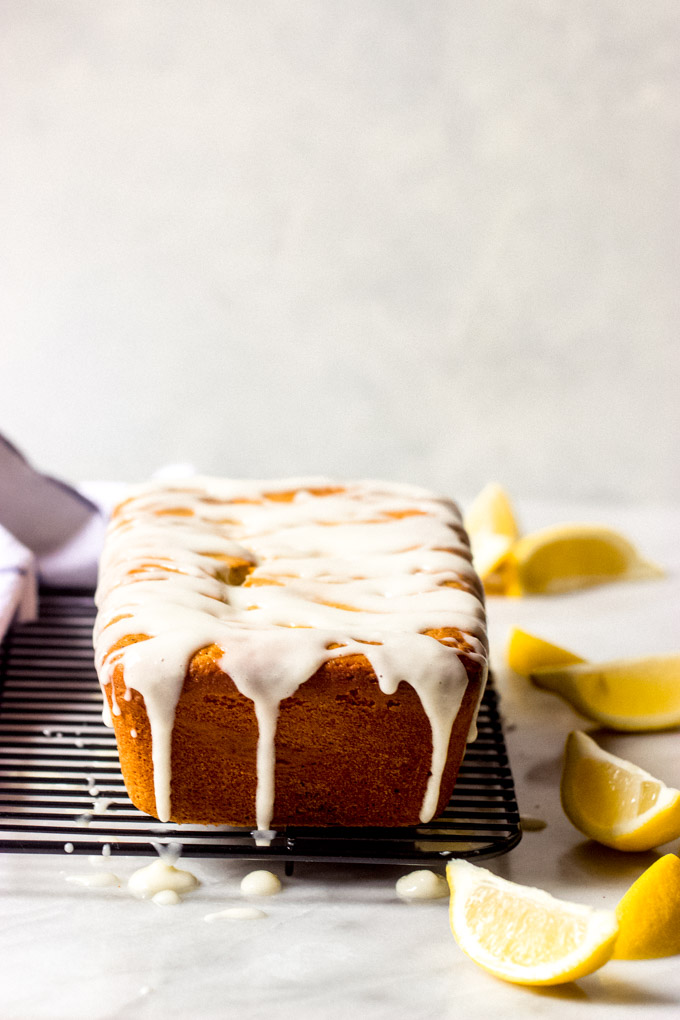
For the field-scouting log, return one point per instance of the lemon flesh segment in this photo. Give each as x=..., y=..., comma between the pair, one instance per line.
x=567, y=557
x=491, y=512
x=525, y=935
x=525, y=653
x=613, y=801
x=624, y=694
x=649, y=913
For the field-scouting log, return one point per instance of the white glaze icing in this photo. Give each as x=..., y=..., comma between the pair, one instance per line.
x=149, y=881
x=95, y=880
x=166, y=898
x=235, y=914
x=260, y=883
x=369, y=569
x=422, y=885
x=530, y=823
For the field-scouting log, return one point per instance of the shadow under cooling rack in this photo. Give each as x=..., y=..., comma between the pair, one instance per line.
x=61, y=787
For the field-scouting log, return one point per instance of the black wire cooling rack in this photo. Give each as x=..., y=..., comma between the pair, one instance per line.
x=61, y=787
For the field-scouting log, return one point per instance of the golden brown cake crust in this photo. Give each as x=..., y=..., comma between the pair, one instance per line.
x=324, y=774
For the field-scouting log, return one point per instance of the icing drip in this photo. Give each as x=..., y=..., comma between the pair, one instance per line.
x=283, y=576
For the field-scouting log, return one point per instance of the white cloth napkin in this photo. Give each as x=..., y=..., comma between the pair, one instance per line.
x=18, y=581
x=50, y=533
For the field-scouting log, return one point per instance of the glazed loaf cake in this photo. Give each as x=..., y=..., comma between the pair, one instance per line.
x=289, y=652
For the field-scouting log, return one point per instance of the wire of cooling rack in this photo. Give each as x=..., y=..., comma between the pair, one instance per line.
x=61, y=787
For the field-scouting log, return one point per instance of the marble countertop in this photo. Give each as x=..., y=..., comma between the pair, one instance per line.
x=337, y=940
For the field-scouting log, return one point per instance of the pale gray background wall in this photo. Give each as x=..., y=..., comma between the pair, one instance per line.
x=422, y=240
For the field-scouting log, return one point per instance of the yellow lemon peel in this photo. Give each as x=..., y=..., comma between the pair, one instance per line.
x=623, y=694
x=649, y=913
x=567, y=557
x=526, y=652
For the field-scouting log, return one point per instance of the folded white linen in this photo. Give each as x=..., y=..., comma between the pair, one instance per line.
x=50, y=532
x=18, y=581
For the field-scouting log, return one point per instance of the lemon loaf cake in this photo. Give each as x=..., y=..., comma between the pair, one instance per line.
x=289, y=652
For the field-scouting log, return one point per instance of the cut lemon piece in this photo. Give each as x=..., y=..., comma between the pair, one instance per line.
x=649, y=913
x=488, y=552
x=491, y=512
x=527, y=653
x=615, y=802
x=571, y=556
x=490, y=523
x=625, y=694
x=525, y=935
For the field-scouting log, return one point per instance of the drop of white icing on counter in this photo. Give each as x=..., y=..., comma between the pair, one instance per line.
x=235, y=914
x=95, y=880
x=422, y=885
x=147, y=882
x=530, y=823
x=260, y=883
x=166, y=898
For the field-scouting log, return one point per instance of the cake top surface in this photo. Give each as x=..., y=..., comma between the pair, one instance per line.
x=361, y=558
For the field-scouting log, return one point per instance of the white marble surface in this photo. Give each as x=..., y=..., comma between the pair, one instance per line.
x=337, y=941
x=430, y=241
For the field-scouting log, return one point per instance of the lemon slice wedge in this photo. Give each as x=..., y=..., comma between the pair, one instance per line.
x=488, y=552
x=624, y=694
x=526, y=652
x=613, y=801
x=649, y=913
x=490, y=523
x=491, y=512
x=567, y=557
x=525, y=935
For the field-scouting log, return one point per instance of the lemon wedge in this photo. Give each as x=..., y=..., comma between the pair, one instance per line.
x=613, y=801
x=525, y=935
x=490, y=523
x=488, y=553
x=624, y=694
x=566, y=557
x=649, y=913
x=525, y=653
x=491, y=513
